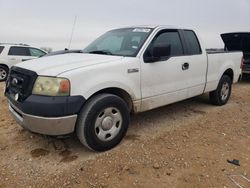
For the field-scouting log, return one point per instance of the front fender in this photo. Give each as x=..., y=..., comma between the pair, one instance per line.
x=90, y=80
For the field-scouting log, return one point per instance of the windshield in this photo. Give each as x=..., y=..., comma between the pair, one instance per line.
x=121, y=42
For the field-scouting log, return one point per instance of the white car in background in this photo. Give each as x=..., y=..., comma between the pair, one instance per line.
x=11, y=54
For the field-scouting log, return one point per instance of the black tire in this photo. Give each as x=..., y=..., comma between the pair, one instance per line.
x=3, y=73
x=217, y=97
x=87, y=130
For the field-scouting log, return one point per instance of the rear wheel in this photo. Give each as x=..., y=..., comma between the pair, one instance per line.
x=103, y=122
x=221, y=95
x=3, y=73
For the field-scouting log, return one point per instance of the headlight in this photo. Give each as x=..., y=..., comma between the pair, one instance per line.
x=51, y=86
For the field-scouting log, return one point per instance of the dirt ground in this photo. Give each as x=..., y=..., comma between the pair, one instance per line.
x=182, y=145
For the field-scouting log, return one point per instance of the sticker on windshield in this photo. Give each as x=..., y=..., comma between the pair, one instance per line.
x=144, y=30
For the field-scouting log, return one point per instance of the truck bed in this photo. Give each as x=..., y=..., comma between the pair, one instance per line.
x=218, y=62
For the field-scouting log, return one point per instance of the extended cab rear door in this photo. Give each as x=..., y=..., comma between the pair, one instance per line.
x=197, y=60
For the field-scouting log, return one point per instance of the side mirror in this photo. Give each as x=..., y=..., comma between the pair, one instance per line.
x=159, y=52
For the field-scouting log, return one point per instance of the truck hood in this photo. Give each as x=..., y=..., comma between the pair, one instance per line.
x=237, y=41
x=55, y=65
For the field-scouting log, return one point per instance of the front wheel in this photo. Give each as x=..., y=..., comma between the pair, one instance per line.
x=103, y=122
x=221, y=95
x=3, y=73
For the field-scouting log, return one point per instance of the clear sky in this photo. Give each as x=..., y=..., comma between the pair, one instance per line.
x=48, y=23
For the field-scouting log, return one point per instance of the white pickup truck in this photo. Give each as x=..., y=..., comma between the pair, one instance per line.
x=124, y=71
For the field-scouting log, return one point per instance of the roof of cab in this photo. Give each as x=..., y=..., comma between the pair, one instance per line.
x=155, y=26
x=14, y=44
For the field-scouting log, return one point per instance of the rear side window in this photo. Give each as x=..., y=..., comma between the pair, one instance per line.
x=36, y=52
x=19, y=51
x=193, y=45
x=171, y=38
x=1, y=49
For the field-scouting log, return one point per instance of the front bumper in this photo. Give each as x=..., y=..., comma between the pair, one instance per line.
x=50, y=115
x=47, y=115
x=44, y=125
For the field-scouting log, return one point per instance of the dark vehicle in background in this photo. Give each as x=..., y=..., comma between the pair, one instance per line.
x=239, y=41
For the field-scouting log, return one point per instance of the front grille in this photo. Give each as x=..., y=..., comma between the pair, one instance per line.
x=20, y=83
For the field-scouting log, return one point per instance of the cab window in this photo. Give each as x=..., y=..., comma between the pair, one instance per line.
x=193, y=45
x=172, y=39
x=166, y=40
x=19, y=51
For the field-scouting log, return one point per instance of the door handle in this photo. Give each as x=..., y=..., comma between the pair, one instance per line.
x=185, y=66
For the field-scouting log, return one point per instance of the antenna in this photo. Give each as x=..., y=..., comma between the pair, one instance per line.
x=72, y=32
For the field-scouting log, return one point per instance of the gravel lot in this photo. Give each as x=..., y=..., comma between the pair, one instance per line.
x=186, y=144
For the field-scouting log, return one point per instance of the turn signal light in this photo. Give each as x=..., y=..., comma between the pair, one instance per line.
x=64, y=86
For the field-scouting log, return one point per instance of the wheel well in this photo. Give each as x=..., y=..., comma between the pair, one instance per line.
x=4, y=66
x=230, y=73
x=119, y=92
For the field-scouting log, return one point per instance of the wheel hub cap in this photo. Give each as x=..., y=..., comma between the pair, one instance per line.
x=107, y=123
x=224, y=91
x=3, y=74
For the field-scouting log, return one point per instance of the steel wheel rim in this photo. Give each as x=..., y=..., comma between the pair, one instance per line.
x=3, y=74
x=108, y=124
x=225, y=91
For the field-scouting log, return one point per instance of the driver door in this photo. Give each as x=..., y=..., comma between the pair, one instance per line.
x=165, y=79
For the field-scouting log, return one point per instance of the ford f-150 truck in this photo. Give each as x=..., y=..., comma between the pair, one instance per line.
x=124, y=71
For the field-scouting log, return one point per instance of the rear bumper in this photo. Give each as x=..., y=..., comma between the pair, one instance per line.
x=44, y=125
x=246, y=69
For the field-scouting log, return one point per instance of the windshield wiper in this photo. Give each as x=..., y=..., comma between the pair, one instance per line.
x=101, y=52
